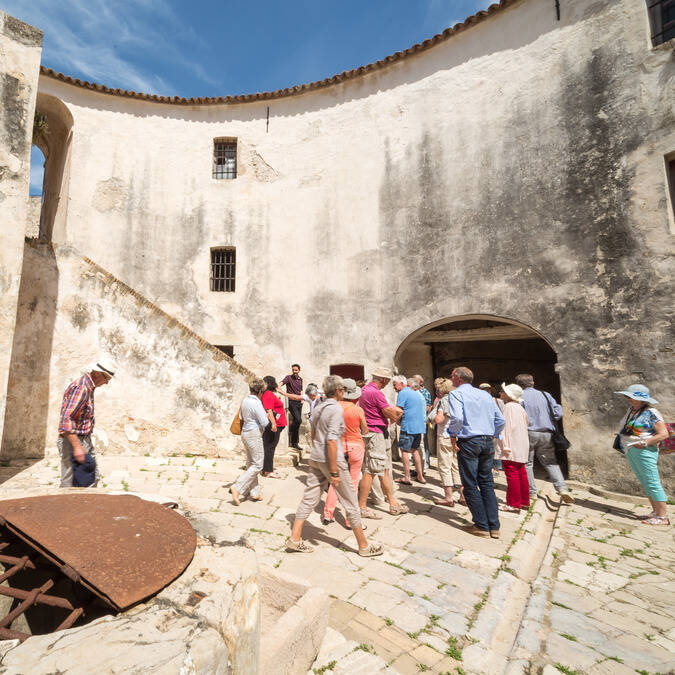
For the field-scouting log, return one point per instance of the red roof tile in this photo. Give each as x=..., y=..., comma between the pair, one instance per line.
x=297, y=89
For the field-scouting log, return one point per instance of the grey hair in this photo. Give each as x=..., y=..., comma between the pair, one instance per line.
x=311, y=389
x=524, y=381
x=419, y=378
x=331, y=384
x=400, y=379
x=463, y=373
x=413, y=383
x=256, y=386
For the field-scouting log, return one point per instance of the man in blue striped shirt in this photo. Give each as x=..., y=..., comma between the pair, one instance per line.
x=476, y=421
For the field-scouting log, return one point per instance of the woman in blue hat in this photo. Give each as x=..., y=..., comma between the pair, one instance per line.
x=642, y=429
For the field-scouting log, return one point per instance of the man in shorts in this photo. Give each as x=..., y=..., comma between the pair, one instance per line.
x=413, y=425
x=379, y=412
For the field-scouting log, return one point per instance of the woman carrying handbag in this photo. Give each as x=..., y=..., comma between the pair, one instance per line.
x=642, y=429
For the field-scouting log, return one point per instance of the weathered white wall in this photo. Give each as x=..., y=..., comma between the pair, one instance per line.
x=20, y=47
x=176, y=390
x=514, y=170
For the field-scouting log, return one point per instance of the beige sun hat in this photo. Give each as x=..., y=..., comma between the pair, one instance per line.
x=382, y=372
x=352, y=392
x=513, y=391
x=485, y=385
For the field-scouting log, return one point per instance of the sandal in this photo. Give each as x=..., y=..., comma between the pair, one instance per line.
x=369, y=513
x=657, y=520
x=371, y=551
x=403, y=481
x=647, y=516
x=274, y=474
x=423, y=481
x=398, y=509
x=508, y=509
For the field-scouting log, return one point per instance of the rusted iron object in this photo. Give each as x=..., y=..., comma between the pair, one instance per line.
x=122, y=548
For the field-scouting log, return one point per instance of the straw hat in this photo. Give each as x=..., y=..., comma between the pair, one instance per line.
x=382, y=372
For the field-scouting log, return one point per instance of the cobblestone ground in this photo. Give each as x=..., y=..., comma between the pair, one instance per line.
x=440, y=600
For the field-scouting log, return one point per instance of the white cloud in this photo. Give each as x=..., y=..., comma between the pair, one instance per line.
x=113, y=43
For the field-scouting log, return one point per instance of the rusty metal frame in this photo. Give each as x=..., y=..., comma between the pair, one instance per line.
x=36, y=596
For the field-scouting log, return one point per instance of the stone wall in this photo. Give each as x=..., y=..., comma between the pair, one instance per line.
x=514, y=170
x=20, y=48
x=173, y=388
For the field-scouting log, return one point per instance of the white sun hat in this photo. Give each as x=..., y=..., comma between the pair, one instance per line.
x=513, y=391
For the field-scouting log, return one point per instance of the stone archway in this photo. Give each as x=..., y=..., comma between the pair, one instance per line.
x=52, y=134
x=495, y=348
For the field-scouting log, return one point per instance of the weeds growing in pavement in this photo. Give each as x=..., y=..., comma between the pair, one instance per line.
x=323, y=669
x=565, y=669
x=365, y=648
x=453, y=649
x=567, y=636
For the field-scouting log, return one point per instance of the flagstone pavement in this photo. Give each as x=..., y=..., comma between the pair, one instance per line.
x=585, y=588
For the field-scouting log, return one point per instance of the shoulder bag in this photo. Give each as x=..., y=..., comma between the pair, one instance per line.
x=235, y=427
x=667, y=446
x=560, y=442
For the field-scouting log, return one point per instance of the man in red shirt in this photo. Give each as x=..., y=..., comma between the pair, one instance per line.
x=77, y=418
x=379, y=413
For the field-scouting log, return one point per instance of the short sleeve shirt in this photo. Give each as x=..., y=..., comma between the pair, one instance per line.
x=293, y=384
x=271, y=402
x=373, y=402
x=414, y=411
x=328, y=424
x=353, y=416
x=643, y=424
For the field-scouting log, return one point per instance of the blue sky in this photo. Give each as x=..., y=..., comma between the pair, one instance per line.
x=209, y=48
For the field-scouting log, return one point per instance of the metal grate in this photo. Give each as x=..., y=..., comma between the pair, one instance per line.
x=36, y=596
x=224, y=159
x=223, y=269
x=662, y=20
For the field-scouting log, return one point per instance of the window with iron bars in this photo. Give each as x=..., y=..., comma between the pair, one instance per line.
x=225, y=158
x=223, y=269
x=661, y=20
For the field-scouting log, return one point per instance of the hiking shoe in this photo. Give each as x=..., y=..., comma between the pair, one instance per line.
x=494, y=534
x=472, y=529
x=371, y=551
x=327, y=521
x=567, y=497
x=298, y=546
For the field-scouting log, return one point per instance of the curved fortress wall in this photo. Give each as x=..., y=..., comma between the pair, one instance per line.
x=514, y=170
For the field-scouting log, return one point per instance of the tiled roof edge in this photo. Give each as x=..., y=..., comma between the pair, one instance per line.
x=297, y=89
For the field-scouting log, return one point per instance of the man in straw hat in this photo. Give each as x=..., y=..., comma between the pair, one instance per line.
x=379, y=413
x=76, y=423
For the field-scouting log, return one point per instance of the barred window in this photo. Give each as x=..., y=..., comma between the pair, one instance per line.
x=223, y=269
x=225, y=158
x=661, y=20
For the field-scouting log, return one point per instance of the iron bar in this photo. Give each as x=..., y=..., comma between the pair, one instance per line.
x=23, y=562
x=70, y=619
x=7, y=634
x=42, y=599
x=27, y=603
x=12, y=560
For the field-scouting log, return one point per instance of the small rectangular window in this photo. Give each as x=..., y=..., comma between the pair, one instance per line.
x=661, y=20
x=223, y=269
x=670, y=170
x=225, y=158
x=226, y=349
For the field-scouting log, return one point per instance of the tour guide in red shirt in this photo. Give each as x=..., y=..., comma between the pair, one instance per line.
x=77, y=417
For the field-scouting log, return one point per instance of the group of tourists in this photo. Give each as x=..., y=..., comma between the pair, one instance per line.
x=351, y=444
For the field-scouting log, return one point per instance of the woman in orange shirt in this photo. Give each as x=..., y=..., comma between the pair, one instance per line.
x=352, y=444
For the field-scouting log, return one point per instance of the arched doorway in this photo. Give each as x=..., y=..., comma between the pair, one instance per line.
x=495, y=348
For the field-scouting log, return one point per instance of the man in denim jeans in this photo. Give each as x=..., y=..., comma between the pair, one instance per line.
x=476, y=421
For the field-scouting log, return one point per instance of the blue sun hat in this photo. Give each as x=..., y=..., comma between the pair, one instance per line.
x=638, y=392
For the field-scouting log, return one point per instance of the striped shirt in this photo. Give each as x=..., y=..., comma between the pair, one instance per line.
x=77, y=409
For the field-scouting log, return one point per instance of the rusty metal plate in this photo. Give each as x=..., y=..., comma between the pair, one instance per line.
x=122, y=548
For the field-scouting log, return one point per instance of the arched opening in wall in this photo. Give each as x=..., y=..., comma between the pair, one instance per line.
x=52, y=135
x=496, y=349
x=37, y=173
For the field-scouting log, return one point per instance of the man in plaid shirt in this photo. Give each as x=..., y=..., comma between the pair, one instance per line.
x=77, y=418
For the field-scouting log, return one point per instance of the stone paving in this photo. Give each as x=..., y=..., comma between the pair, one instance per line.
x=439, y=599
